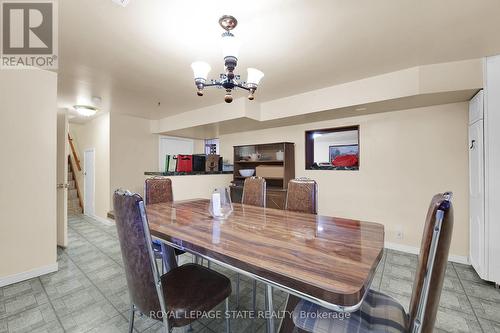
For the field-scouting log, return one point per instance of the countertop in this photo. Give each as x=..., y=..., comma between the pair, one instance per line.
x=193, y=173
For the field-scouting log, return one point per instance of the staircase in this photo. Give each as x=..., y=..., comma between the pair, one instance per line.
x=75, y=202
x=73, y=199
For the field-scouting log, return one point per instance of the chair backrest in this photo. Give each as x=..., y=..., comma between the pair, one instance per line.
x=302, y=196
x=140, y=266
x=254, y=192
x=158, y=190
x=432, y=263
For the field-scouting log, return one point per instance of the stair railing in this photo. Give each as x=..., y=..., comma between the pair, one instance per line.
x=74, y=164
x=73, y=151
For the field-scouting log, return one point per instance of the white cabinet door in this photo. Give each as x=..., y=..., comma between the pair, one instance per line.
x=492, y=167
x=476, y=108
x=476, y=188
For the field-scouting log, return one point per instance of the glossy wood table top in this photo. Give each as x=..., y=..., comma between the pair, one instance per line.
x=327, y=258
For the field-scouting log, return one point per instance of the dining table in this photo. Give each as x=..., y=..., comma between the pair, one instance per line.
x=327, y=260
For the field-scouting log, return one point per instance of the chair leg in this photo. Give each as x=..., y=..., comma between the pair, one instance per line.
x=270, y=309
x=287, y=324
x=165, y=327
x=237, y=290
x=228, y=320
x=131, y=319
x=254, y=296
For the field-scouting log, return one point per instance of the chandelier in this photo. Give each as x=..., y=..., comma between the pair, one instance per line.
x=228, y=81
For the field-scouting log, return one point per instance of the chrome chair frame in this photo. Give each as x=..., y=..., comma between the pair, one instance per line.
x=417, y=323
x=254, y=286
x=154, y=267
x=156, y=274
x=162, y=244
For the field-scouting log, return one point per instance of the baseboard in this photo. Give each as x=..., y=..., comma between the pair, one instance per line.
x=102, y=220
x=14, y=278
x=459, y=259
x=416, y=250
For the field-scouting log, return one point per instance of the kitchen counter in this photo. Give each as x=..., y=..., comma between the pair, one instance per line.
x=193, y=185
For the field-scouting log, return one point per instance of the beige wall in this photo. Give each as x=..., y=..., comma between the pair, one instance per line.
x=125, y=149
x=95, y=134
x=134, y=150
x=28, y=118
x=406, y=157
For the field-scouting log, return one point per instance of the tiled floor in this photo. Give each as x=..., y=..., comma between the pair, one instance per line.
x=89, y=292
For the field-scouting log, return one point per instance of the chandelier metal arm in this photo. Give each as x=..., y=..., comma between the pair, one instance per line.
x=243, y=87
x=220, y=84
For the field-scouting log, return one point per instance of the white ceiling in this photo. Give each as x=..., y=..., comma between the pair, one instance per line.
x=137, y=56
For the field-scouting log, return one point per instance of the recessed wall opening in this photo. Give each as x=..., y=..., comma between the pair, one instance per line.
x=333, y=148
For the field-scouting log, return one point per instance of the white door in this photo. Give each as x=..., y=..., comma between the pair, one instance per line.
x=476, y=188
x=89, y=182
x=62, y=178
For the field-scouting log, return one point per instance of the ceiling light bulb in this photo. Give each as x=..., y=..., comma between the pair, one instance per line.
x=254, y=76
x=230, y=45
x=200, y=69
x=85, y=110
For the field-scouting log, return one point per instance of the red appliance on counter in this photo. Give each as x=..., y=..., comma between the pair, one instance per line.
x=346, y=161
x=184, y=163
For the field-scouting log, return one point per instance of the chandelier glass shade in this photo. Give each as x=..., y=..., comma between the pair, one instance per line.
x=254, y=76
x=200, y=69
x=228, y=80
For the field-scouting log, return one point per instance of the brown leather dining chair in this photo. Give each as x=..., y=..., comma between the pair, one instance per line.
x=380, y=312
x=254, y=194
x=176, y=297
x=302, y=196
x=159, y=190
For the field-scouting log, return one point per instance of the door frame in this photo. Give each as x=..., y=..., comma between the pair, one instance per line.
x=62, y=178
x=85, y=211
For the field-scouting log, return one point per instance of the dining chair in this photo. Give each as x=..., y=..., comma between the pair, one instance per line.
x=178, y=297
x=380, y=312
x=302, y=196
x=159, y=190
x=254, y=194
